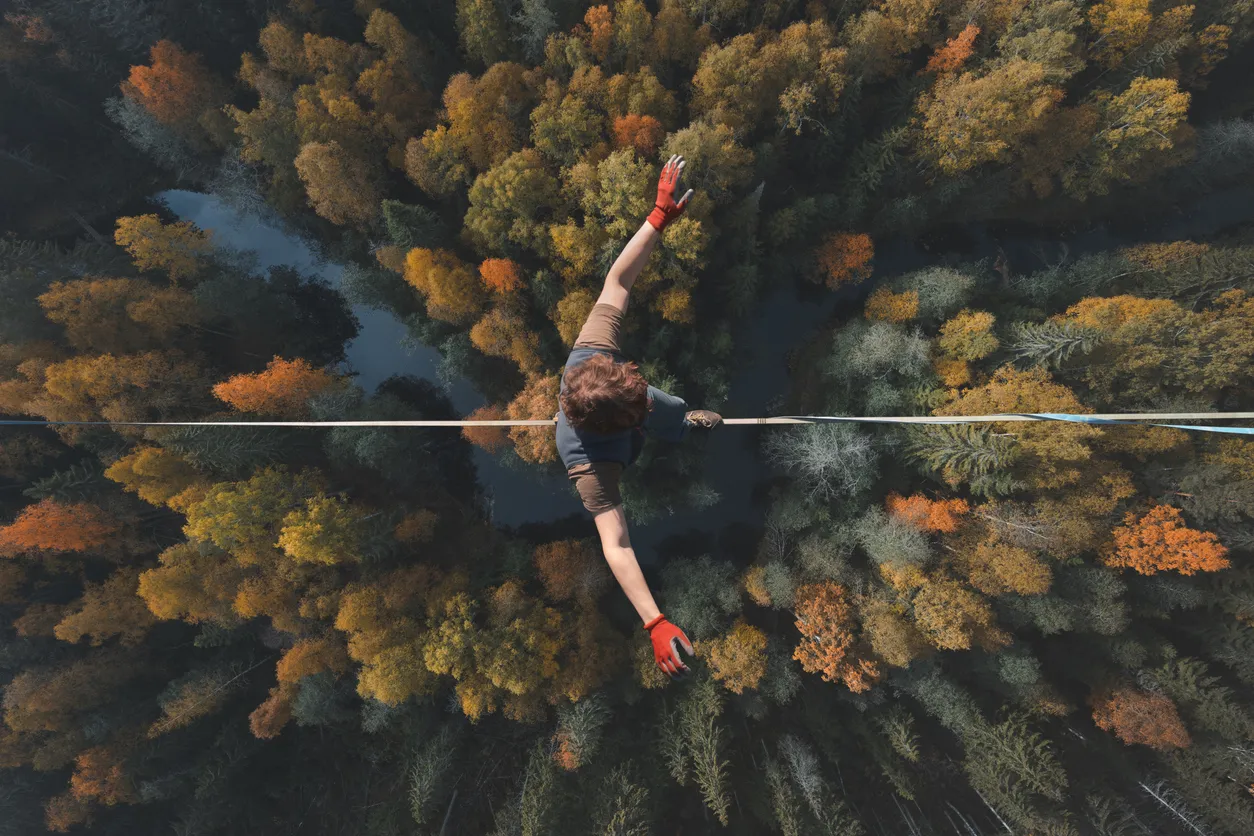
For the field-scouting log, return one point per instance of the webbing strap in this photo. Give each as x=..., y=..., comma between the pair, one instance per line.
x=1154, y=419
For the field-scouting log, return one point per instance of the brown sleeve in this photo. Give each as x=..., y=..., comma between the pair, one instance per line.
x=601, y=329
x=597, y=485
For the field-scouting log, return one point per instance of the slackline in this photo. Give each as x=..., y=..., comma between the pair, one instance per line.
x=1143, y=419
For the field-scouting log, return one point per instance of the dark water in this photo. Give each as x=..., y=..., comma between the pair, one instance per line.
x=782, y=322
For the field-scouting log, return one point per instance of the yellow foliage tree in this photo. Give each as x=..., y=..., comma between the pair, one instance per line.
x=179, y=249
x=886, y=306
x=503, y=333
x=452, y=290
x=738, y=658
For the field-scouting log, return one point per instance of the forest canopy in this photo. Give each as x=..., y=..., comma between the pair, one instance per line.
x=987, y=206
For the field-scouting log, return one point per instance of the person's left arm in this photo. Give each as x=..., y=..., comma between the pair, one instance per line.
x=666, y=637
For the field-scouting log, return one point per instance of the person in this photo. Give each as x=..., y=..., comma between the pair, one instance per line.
x=607, y=410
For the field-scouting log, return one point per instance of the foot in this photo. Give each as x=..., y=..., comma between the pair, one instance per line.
x=703, y=418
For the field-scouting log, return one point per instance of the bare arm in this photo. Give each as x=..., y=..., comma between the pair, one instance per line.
x=630, y=262
x=628, y=266
x=616, y=543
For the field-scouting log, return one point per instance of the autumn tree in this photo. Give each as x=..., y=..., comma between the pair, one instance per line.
x=1160, y=541
x=192, y=583
x=844, y=258
x=571, y=570
x=503, y=333
x=968, y=336
x=100, y=775
x=738, y=658
x=954, y=54
x=969, y=119
x=159, y=477
x=283, y=390
x=792, y=79
x=501, y=275
x=1135, y=134
x=328, y=530
x=450, y=287
x=940, y=515
x=572, y=312
x=1050, y=455
x=486, y=122
x=997, y=568
x=828, y=646
x=492, y=439
x=54, y=526
x=107, y=610
x=179, y=91
x=245, y=518
x=179, y=248
x=1137, y=716
x=536, y=401
x=952, y=617
x=118, y=315
x=643, y=133
x=342, y=187
x=510, y=204
x=887, y=306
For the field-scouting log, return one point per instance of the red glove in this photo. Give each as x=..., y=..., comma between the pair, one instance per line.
x=667, y=207
x=667, y=639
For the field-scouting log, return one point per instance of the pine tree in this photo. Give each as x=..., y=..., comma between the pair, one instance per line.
x=1051, y=343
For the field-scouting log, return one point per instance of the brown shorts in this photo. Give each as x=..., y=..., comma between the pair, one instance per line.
x=597, y=485
x=602, y=329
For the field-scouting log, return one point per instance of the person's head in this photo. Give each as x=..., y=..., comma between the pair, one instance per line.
x=603, y=396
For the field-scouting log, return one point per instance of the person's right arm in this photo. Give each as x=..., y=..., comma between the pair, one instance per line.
x=621, y=557
x=631, y=261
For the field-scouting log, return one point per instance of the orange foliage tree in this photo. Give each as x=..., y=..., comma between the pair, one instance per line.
x=1137, y=716
x=1159, y=541
x=282, y=390
x=571, y=569
x=269, y=718
x=825, y=619
x=845, y=258
x=644, y=133
x=501, y=275
x=537, y=401
x=176, y=87
x=100, y=775
x=939, y=515
x=955, y=52
x=49, y=525
x=492, y=439
x=312, y=656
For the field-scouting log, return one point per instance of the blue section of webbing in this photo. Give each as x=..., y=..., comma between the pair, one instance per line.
x=1088, y=419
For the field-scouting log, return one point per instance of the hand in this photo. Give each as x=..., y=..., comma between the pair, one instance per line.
x=667, y=207
x=667, y=640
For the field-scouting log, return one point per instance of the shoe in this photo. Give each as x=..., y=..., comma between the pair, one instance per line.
x=703, y=418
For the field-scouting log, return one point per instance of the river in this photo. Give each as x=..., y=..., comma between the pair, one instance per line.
x=783, y=320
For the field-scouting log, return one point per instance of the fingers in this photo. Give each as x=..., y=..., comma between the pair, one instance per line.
x=672, y=170
x=683, y=202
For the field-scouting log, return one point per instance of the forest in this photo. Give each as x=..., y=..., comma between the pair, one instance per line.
x=990, y=206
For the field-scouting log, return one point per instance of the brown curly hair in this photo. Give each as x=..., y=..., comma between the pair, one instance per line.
x=605, y=397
